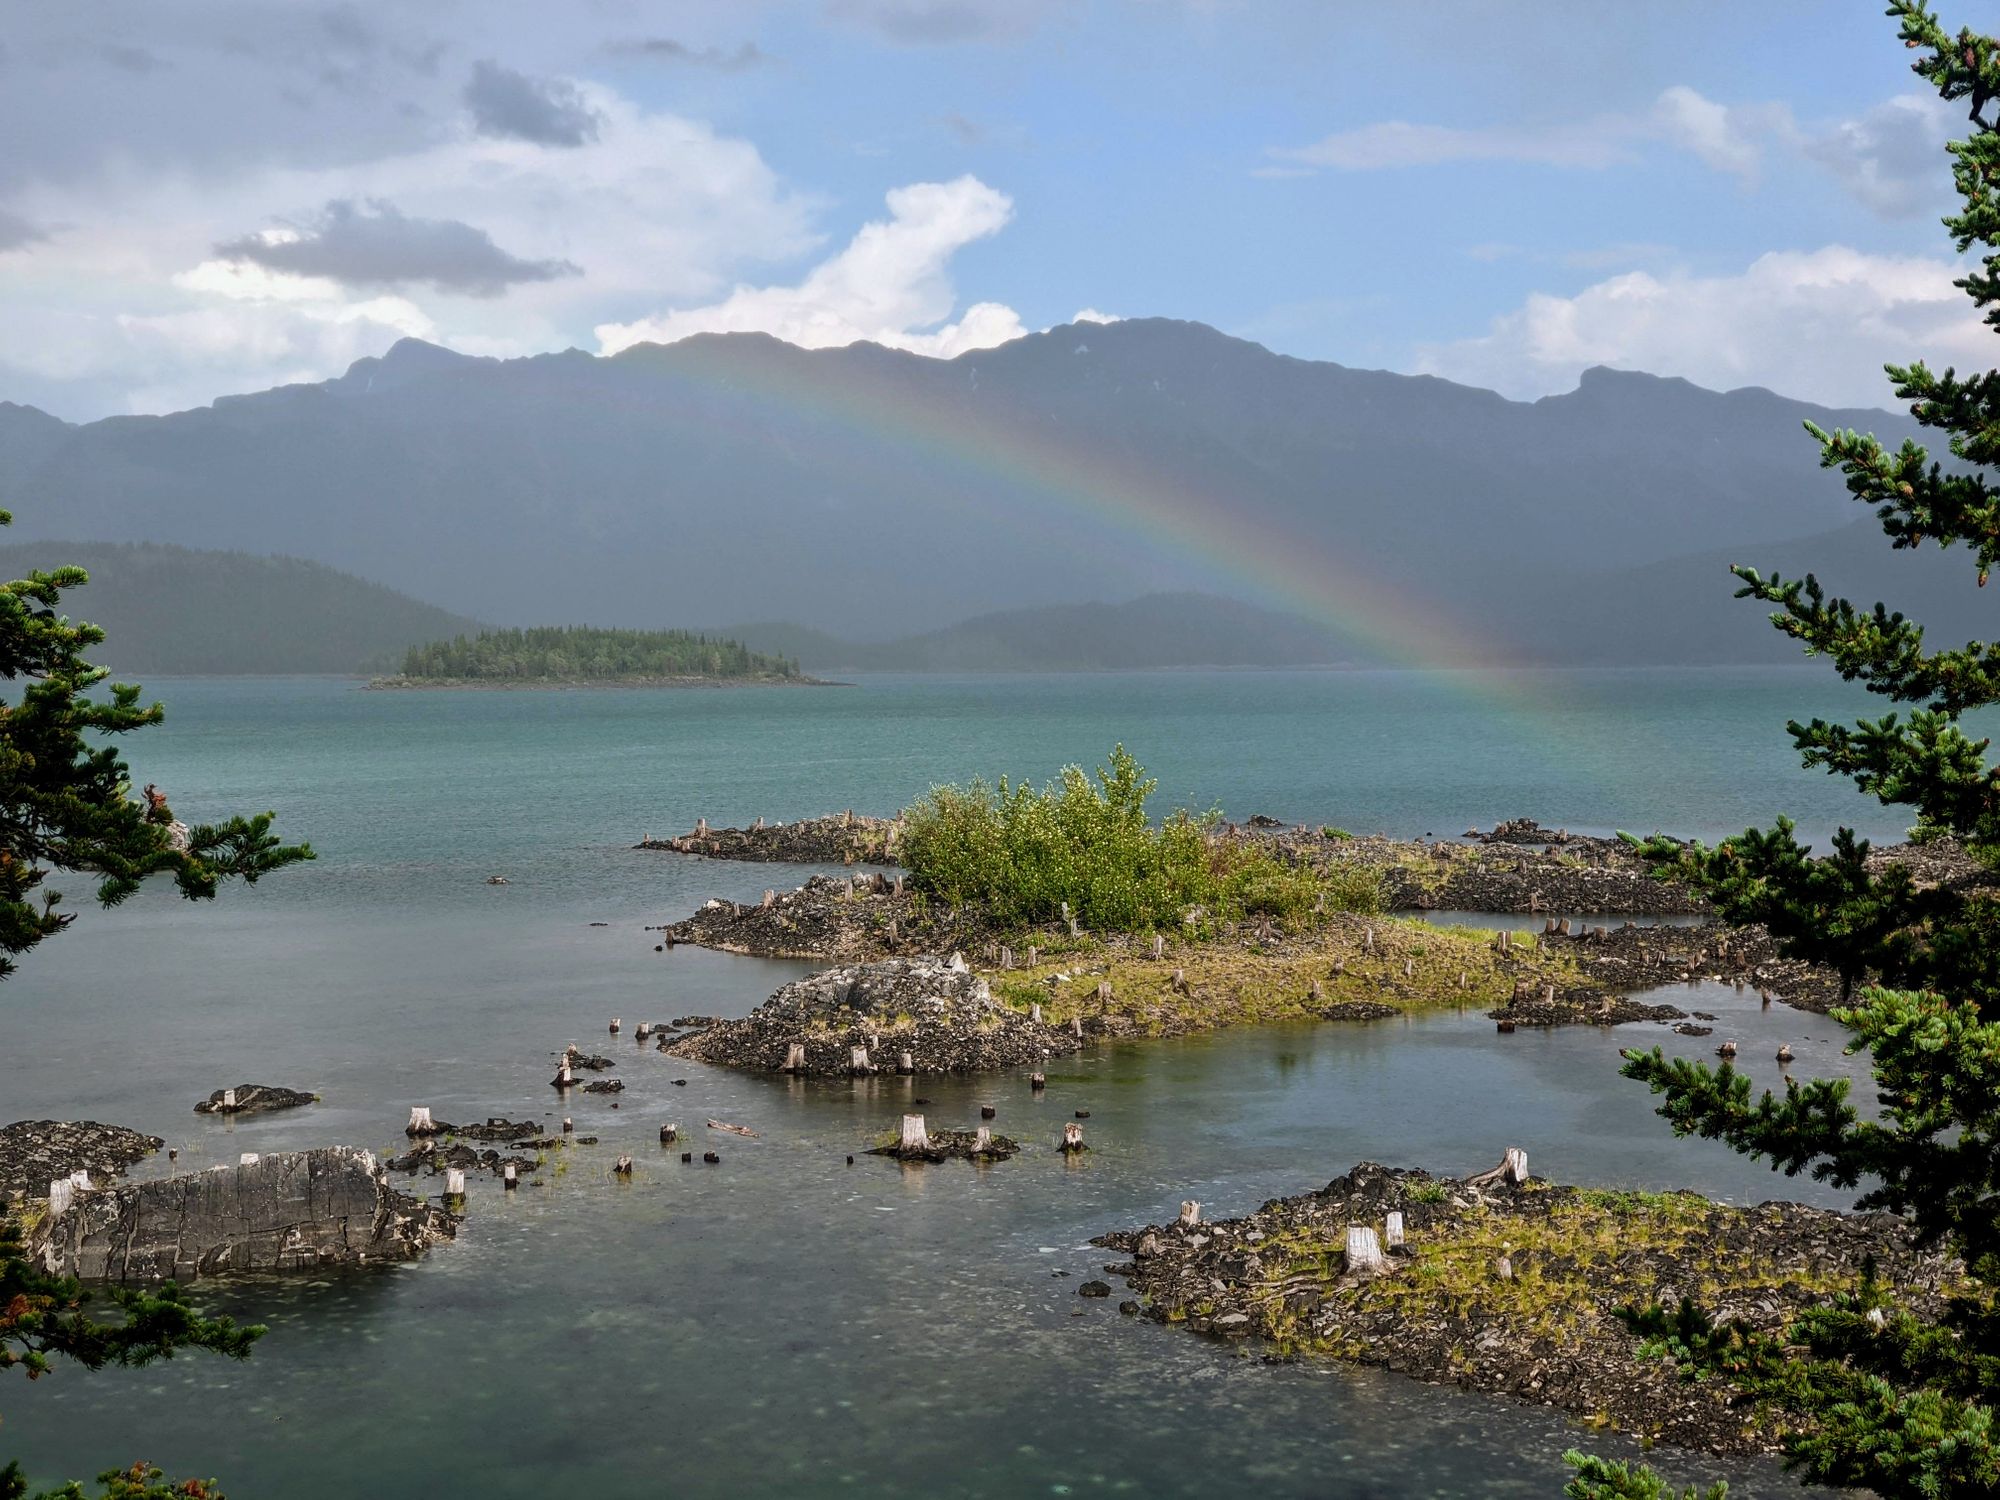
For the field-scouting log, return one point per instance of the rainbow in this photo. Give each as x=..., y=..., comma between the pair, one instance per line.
x=1182, y=518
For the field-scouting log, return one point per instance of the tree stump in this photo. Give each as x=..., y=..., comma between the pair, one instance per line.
x=1364, y=1251
x=569, y=1126
x=564, y=1078
x=1317, y=992
x=454, y=1182
x=1392, y=1230
x=228, y=1101
x=906, y=1063
x=795, y=1058
x=420, y=1119
x=916, y=1140
x=770, y=900
x=622, y=1167
x=1037, y=1082
x=510, y=1176
x=615, y=1024
x=1072, y=1138
x=857, y=1061
x=1159, y=947
x=1035, y=1013
x=982, y=1144
x=1006, y=958
x=669, y=1134
x=1190, y=1213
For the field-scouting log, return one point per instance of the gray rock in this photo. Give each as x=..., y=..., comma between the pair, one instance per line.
x=288, y=1211
x=254, y=1098
x=34, y=1153
x=940, y=1013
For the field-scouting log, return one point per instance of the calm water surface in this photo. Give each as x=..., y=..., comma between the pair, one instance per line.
x=783, y=1324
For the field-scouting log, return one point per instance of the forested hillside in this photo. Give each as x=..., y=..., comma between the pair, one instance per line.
x=176, y=610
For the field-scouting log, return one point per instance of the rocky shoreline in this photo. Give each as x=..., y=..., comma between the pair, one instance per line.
x=35, y=1153
x=845, y=838
x=1511, y=1286
x=924, y=1015
x=1571, y=974
x=400, y=684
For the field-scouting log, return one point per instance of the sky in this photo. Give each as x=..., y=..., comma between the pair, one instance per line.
x=217, y=196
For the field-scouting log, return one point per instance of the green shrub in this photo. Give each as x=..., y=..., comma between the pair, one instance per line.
x=1024, y=853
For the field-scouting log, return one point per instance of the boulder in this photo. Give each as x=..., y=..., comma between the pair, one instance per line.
x=286, y=1211
x=253, y=1098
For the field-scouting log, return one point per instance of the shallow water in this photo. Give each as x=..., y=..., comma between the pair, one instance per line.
x=782, y=1323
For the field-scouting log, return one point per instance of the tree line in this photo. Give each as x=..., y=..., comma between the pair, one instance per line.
x=573, y=653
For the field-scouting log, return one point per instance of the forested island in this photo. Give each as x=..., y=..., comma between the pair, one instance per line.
x=582, y=655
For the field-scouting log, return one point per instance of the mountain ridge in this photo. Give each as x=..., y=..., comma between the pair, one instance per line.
x=733, y=476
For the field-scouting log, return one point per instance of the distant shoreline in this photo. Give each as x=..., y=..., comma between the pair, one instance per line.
x=577, y=684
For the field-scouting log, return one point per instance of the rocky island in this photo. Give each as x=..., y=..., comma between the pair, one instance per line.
x=1506, y=1283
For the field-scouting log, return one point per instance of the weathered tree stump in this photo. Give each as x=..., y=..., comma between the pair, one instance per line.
x=915, y=1139
x=1037, y=1082
x=454, y=1182
x=1159, y=947
x=1190, y=1213
x=669, y=1134
x=564, y=1078
x=1035, y=1013
x=616, y=1022
x=982, y=1144
x=1364, y=1251
x=1784, y=1053
x=1392, y=1230
x=795, y=1058
x=1072, y=1139
x=906, y=1063
x=420, y=1118
x=510, y=1176
x=858, y=1063
x=622, y=1167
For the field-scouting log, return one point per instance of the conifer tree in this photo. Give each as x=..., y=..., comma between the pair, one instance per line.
x=1872, y=1394
x=67, y=804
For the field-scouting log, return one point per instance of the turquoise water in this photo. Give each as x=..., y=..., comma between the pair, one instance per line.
x=784, y=1324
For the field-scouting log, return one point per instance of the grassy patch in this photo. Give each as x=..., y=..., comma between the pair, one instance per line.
x=1393, y=961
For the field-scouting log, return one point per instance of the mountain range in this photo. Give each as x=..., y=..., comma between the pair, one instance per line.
x=870, y=497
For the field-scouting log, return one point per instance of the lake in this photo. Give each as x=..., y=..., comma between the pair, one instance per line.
x=784, y=1324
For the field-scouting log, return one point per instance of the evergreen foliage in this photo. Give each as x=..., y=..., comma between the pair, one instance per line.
x=1873, y=1395
x=1026, y=853
x=66, y=803
x=581, y=653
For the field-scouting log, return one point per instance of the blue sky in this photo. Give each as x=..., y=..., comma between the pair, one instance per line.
x=225, y=194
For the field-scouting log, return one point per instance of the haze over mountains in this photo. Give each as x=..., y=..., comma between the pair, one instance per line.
x=874, y=496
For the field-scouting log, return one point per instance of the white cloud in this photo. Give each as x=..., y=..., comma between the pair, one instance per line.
x=1813, y=324
x=891, y=285
x=653, y=205
x=1888, y=158
x=1892, y=158
x=1399, y=143
x=1092, y=315
x=1726, y=138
